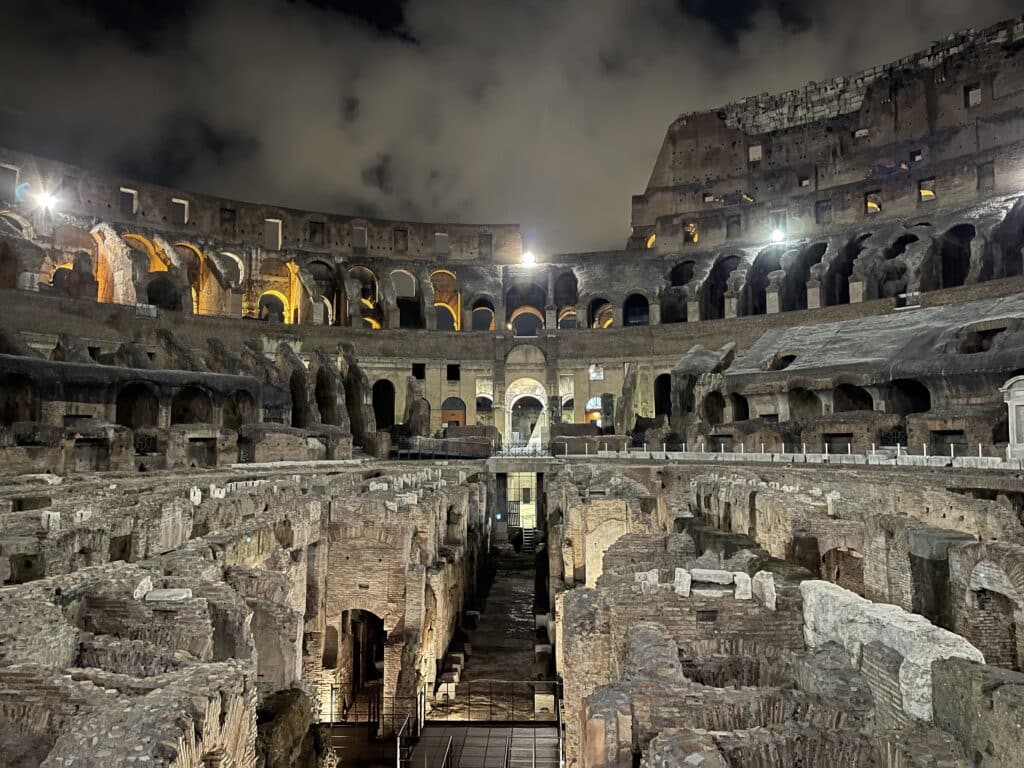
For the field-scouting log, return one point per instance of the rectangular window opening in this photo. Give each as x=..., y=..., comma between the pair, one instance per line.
x=972, y=95
x=454, y=372
x=441, y=243
x=179, y=211
x=359, y=237
x=486, y=245
x=401, y=240
x=419, y=371
x=129, y=201
x=755, y=153
x=317, y=232
x=987, y=177
x=823, y=212
x=228, y=220
x=709, y=197
x=733, y=228
x=805, y=181
x=272, y=234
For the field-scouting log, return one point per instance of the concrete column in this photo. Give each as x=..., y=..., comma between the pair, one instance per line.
x=550, y=317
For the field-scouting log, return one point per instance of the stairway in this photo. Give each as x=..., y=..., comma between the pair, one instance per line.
x=534, y=748
x=529, y=540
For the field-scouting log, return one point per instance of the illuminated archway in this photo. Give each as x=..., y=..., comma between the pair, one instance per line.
x=526, y=413
x=526, y=321
x=483, y=315
x=447, y=295
x=274, y=307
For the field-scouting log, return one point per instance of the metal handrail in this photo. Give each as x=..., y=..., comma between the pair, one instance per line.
x=508, y=751
x=446, y=761
x=401, y=761
x=491, y=700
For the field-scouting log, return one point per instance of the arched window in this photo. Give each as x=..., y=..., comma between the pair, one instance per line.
x=566, y=298
x=407, y=298
x=803, y=405
x=909, y=396
x=453, y=412
x=447, y=300
x=847, y=397
x=836, y=282
x=163, y=293
x=754, y=297
x=521, y=298
x=794, y=284
x=239, y=410
x=636, y=310
x=674, y=298
x=273, y=307
x=527, y=321
x=950, y=259
x=712, y=293
x=740, y=407
x=191, y=405
x=714, y=408
x=483, y=315
x=137, y=406
x=600, y=314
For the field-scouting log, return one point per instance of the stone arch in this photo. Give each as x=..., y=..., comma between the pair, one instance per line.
x=845, y=567
x=19, y=399
x=847, y=397
x=566, y=297
x=137, y=405
x=526, y=321
x=740, y=407
x=191, y=405
x=163, y=292
x=636, y=310
x=407, y=299
x=327, y=397
x=988, y=600
x=239, y=409
x=836, y=278
x=713, y=408
x=948, y=261
x=453, y=412
x=383, y=398
x=523, y=296
x=600, y=313
x=273, y=307
x=447, y=299
x=753, y=299
x=483, y=314
x=794, y=284
x=675, y=298
x=909, y=396
x=712, y=292
x=301, y=412
x=526, y=409
x=368, y=296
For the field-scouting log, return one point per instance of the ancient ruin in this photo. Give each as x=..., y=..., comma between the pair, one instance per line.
x=286, y=488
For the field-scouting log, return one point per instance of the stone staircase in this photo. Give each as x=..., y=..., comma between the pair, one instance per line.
x=529, y=540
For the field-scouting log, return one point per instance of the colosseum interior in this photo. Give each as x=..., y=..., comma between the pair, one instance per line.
x=285, y=488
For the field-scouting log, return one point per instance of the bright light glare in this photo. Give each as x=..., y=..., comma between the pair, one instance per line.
x=47, y=200
x=778, y=235
x=529, y=259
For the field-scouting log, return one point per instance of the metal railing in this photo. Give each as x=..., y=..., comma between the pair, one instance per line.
x=447, y=760
x=508, y=751
x=384, y=714
x=521, y=451
x=403, y=747
x=496, y=701
x=512, y=514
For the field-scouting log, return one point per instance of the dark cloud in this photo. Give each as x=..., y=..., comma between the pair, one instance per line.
x=544, y=112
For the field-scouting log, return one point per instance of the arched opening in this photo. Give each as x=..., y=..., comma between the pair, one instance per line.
x=836, y=282
x=600, y=314
x=592, y=413
x=365, y=635
x=407, y=299
x=794, y=284
x=369, y=296
x=163, y=293
x=847, y=397
x=137, y=406
x=891, y=277
x=754, y=297
x=993, y=624
x=239, y=409
x=566, y=298
x=527, y=321
x=713, y=409
x=568, y=405
x=844, y=567
x=952, y=262
x=909, y=396
x=740, y=407
x=526, y=297
x=332, y=291
x=712, y=293
x=663, y=395
x=273, y=307
x=301, y=417
x=804, y=405
x=453, y=412
x=19, y=399
x=191, y=405
x=329, y=658
x=447, y=300
x=483, y=315
x=383, y=397
x=327, y=399
x=636, y=310
x=674, y=298
x=526, y=413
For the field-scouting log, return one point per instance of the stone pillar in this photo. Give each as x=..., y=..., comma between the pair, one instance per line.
x=730, y=306
x=1013, y=395
x=234, y=304
x=551, y=316
x=617, y=315
x=813, y=294
x=654, y=311
x=467, y=319
x=856, y=291
x=772, y=301
x=693, y=311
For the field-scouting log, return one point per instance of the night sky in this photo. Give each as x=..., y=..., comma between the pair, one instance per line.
x=546, y=113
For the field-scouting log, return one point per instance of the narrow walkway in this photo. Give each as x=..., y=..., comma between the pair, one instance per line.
x=502, y=644
x=481, y=746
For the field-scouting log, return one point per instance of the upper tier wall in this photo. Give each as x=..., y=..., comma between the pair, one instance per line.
x=941, y=125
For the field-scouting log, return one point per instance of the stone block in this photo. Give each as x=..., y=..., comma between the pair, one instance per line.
x=143, y=588
x=763, y=588
x=709, y=576
x=682, y=582
x=743, y=586
x=647, y=577
x=168, y=595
